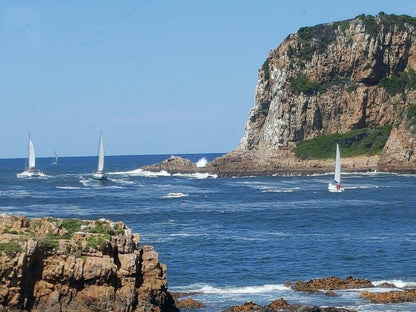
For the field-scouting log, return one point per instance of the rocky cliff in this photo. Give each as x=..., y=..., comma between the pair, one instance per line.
x=53, y=264
x=333, y=78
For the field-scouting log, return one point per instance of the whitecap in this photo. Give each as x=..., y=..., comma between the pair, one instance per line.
x=397, y=283
x=208, y=289
x=121, y=181
x=175, y=195
x=68, y=187
x=142, y=173
x=199, y=176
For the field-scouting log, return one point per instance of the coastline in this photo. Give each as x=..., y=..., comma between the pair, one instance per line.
x=281, y=162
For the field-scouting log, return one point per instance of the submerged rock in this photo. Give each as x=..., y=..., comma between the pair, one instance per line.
x=330, y=283
x=52, y=264
x=282, y=305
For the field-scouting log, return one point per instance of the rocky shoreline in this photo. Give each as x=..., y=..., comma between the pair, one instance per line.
x=327, y=286
x=52, y=264
x=282, y=162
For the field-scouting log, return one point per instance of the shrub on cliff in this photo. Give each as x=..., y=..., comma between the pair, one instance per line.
x=363, y=141
x=400, y=82
x=10, y=248
x=302, y=83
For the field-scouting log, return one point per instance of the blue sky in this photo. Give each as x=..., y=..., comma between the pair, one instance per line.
x=155, y=76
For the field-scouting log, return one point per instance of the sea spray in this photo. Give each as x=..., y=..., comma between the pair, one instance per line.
x=202, y=162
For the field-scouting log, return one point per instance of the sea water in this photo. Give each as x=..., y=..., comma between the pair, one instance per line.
x=232, y=240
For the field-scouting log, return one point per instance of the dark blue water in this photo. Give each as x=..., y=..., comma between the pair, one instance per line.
x=234, y=240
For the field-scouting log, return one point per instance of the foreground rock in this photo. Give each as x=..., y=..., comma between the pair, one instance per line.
x=330, y=283
x=282, y=305
x=54, y=264
x=407, y=295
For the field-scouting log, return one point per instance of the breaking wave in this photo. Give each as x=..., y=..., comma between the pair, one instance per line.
x=175, y=195
x=208, y=289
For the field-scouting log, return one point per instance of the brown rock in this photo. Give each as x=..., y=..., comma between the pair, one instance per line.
x=188, y=304
x=408, y=295
x=330, y=283
x=58, y=270
x=174, y=164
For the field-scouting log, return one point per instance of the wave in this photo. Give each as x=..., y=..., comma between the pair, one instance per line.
x=202, y=162
x=197, y=175
x=68, y=187
x=142, y=173
x=175, y=195
x=287, y=190
x=397, y=283
x=163, y=173
x=208, y=289
x=121, y=181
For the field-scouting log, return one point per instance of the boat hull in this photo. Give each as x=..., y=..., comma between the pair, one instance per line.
x=32, y=173
x=335, y=188
x=101, y=176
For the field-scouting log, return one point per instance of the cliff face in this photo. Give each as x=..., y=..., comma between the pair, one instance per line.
x=72, y=265
x=329, y=78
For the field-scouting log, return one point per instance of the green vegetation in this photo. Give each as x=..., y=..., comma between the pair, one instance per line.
x=49, y=242
x=356, y=142
x=266, y=69
x=10, y=248
x=314, y=39
x=399, y=82
x=98, y=242
x=374, y=25
x=301, y=83
x=72, y=225
x=409, y=113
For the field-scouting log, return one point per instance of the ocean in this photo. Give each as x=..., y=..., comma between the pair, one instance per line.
x=233, y=240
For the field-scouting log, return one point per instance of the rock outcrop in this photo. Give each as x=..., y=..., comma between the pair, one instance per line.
x=54, y=264
x=330, y=283
x=326, y=79
x=282, y=305
x=174, y=164
x=407, y=295
x=333, y=78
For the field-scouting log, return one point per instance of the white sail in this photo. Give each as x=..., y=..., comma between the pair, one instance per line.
x=31, y=159
x=337, y=176
x=100, y=155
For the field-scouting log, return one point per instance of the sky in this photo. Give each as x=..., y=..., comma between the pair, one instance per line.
x=153, y=76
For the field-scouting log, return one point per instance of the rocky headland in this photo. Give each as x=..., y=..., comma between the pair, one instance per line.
x=52, y=264
x=329, y=80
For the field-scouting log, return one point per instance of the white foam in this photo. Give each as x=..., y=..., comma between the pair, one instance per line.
x=287, y=190
x=121, y=181
x=208, y=289
x=68, y=188
x=202, y=162
x=199, y=176
x=175, y=195
x=142, y=173
x=397, y=283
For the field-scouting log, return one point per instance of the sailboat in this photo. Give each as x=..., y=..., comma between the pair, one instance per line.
x=30, y=170
x=100, y=174
x=55, y=159
x=335, y=186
